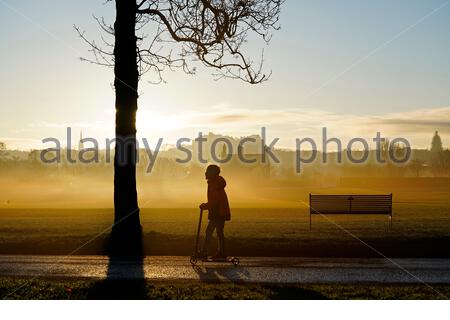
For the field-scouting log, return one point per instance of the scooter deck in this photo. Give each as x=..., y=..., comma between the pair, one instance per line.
x=228, y=259
x=234, y=260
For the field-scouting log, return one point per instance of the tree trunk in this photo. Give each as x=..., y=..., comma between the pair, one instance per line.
x=126, y=214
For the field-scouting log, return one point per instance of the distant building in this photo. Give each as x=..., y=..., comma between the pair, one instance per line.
x=436, y=143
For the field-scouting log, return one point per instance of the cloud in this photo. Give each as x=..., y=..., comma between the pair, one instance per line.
x=420, y=118
x=229, y=118
x=417, y=125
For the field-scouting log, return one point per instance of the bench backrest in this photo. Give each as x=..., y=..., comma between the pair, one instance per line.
x=350, y=204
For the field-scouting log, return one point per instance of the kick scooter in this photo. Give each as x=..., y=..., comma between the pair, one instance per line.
x=194, y=257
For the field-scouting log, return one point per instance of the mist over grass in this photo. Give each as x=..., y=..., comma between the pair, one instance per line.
x=55, y=209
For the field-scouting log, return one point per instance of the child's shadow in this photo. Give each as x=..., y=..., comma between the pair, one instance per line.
x=222, y=273
x=240, y=275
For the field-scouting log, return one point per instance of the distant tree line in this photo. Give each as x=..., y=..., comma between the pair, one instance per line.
x=434, y=162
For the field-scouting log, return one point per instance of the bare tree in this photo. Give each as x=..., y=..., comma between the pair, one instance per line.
x=154, y=35
x=417, y=166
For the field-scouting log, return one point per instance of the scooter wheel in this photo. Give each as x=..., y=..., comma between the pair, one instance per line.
x=235, y=261
x=193, y=261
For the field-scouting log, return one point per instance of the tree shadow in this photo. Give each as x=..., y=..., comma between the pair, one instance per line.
x=125, y=279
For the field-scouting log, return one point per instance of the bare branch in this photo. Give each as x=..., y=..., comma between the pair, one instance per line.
x=212, y=32
x=100, y=56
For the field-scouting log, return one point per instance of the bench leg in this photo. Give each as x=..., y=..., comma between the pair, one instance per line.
x=310, y=226
x=390, y=222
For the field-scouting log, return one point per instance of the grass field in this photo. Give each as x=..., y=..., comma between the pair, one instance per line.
x=90, y=289
x=421, y=228
x=279, y=227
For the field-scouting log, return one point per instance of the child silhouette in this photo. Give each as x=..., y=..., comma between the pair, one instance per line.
x=218, y=212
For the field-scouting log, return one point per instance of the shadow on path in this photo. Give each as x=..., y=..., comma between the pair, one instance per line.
x=238, y=275
x=125, y=278
x=221, y=273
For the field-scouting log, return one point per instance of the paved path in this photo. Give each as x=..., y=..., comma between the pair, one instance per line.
x=251, y=270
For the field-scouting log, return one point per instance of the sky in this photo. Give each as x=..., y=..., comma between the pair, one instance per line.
x=356, y=67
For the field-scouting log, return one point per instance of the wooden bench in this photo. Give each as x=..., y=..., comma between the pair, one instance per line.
x=350, y=204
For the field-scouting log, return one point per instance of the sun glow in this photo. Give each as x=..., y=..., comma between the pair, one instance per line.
x=150, y=121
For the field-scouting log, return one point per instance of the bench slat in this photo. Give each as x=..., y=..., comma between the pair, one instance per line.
x=351, y=205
